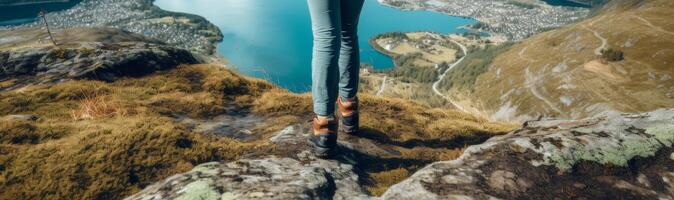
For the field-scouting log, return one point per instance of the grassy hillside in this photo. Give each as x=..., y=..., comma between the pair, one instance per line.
x=619, y=60
x=98, y=140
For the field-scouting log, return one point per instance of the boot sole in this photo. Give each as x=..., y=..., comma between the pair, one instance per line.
x=322, y=152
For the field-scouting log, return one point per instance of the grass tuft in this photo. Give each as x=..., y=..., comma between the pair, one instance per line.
x=99, y=107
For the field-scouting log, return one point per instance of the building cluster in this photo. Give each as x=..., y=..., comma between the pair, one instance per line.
x=514, y=20
x=138, y=16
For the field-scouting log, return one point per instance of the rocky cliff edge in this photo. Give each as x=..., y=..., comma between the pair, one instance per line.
x=622, y=156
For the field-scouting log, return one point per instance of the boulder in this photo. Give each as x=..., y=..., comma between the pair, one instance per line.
x=304, y=177
x=614, y=157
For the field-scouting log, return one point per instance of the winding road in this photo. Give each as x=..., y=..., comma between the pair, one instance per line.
x=383, y=85
x=604, y=41
x=442, y=76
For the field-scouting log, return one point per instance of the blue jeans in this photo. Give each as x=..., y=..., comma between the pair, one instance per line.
x=336, y=60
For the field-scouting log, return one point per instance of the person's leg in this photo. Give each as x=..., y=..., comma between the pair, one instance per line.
x=349, y=65
x=326, y=26
x=349, y=59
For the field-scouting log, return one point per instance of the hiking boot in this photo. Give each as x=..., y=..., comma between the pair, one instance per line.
x=324, y=137
x=348, y=112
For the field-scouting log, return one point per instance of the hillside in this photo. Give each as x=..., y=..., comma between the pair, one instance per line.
x=111, y=114
x=569, y=73
x=108, y=112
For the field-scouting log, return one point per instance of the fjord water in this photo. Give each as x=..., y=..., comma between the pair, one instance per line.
x=26, y=13
x=272, y=39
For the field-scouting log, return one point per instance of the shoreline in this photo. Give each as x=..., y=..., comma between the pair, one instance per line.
x=34, y=3
x=183, y=30
x=502, y=18
x=466, y=27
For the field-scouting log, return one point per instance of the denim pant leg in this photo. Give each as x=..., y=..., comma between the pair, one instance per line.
x=326, y=26
x=349, y=58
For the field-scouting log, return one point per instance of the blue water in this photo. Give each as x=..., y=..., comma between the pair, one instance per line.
x=566, y=3
x=21, y=14
x=272, y=39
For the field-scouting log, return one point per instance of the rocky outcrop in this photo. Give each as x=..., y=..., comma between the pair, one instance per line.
x=92, y=60
x=301, y=177
x=613, y=157
x=100, y=54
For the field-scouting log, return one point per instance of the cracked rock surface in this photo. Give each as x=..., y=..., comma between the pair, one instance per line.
x=301, y=176
x=626, y=156
x=614, y=157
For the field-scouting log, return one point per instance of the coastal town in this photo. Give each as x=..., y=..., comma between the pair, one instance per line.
x=515, y=20
x=183, y=30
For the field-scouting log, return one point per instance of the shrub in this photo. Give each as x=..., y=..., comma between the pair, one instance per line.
x=612, y=55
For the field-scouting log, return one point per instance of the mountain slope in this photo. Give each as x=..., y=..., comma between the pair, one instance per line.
x=564, y=72
x=108, y=112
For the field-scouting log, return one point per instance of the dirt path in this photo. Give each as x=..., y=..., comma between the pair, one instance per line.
x=383, y=86
x=648, y=23
x=531, y=82
x=521, y=55
x=604, y=41
x=442, y=76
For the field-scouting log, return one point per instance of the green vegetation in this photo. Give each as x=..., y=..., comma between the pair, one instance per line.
x=464, y=75
x=392, y=35
x=612, y=55
x=409, y=72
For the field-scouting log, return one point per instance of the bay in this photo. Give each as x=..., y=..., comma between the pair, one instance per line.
x=272, y=39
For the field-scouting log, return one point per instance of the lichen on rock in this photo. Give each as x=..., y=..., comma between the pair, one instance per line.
x=619, y=156
x=613, y=157
x=610, y=140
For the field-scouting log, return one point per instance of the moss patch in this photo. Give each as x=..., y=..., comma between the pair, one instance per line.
x=663, y=134
x=200, y=189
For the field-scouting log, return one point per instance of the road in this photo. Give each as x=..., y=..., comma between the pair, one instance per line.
x=531, y=81
x=604, y=41
x=383, y=85
x=442, y=76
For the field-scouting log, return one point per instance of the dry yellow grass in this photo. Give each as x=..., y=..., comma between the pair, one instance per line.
x=557, y=74
x=420, y=134
x=387, y=179
x=123, y=137
x=98, y=107
x=120, y=139
x=396, y=88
